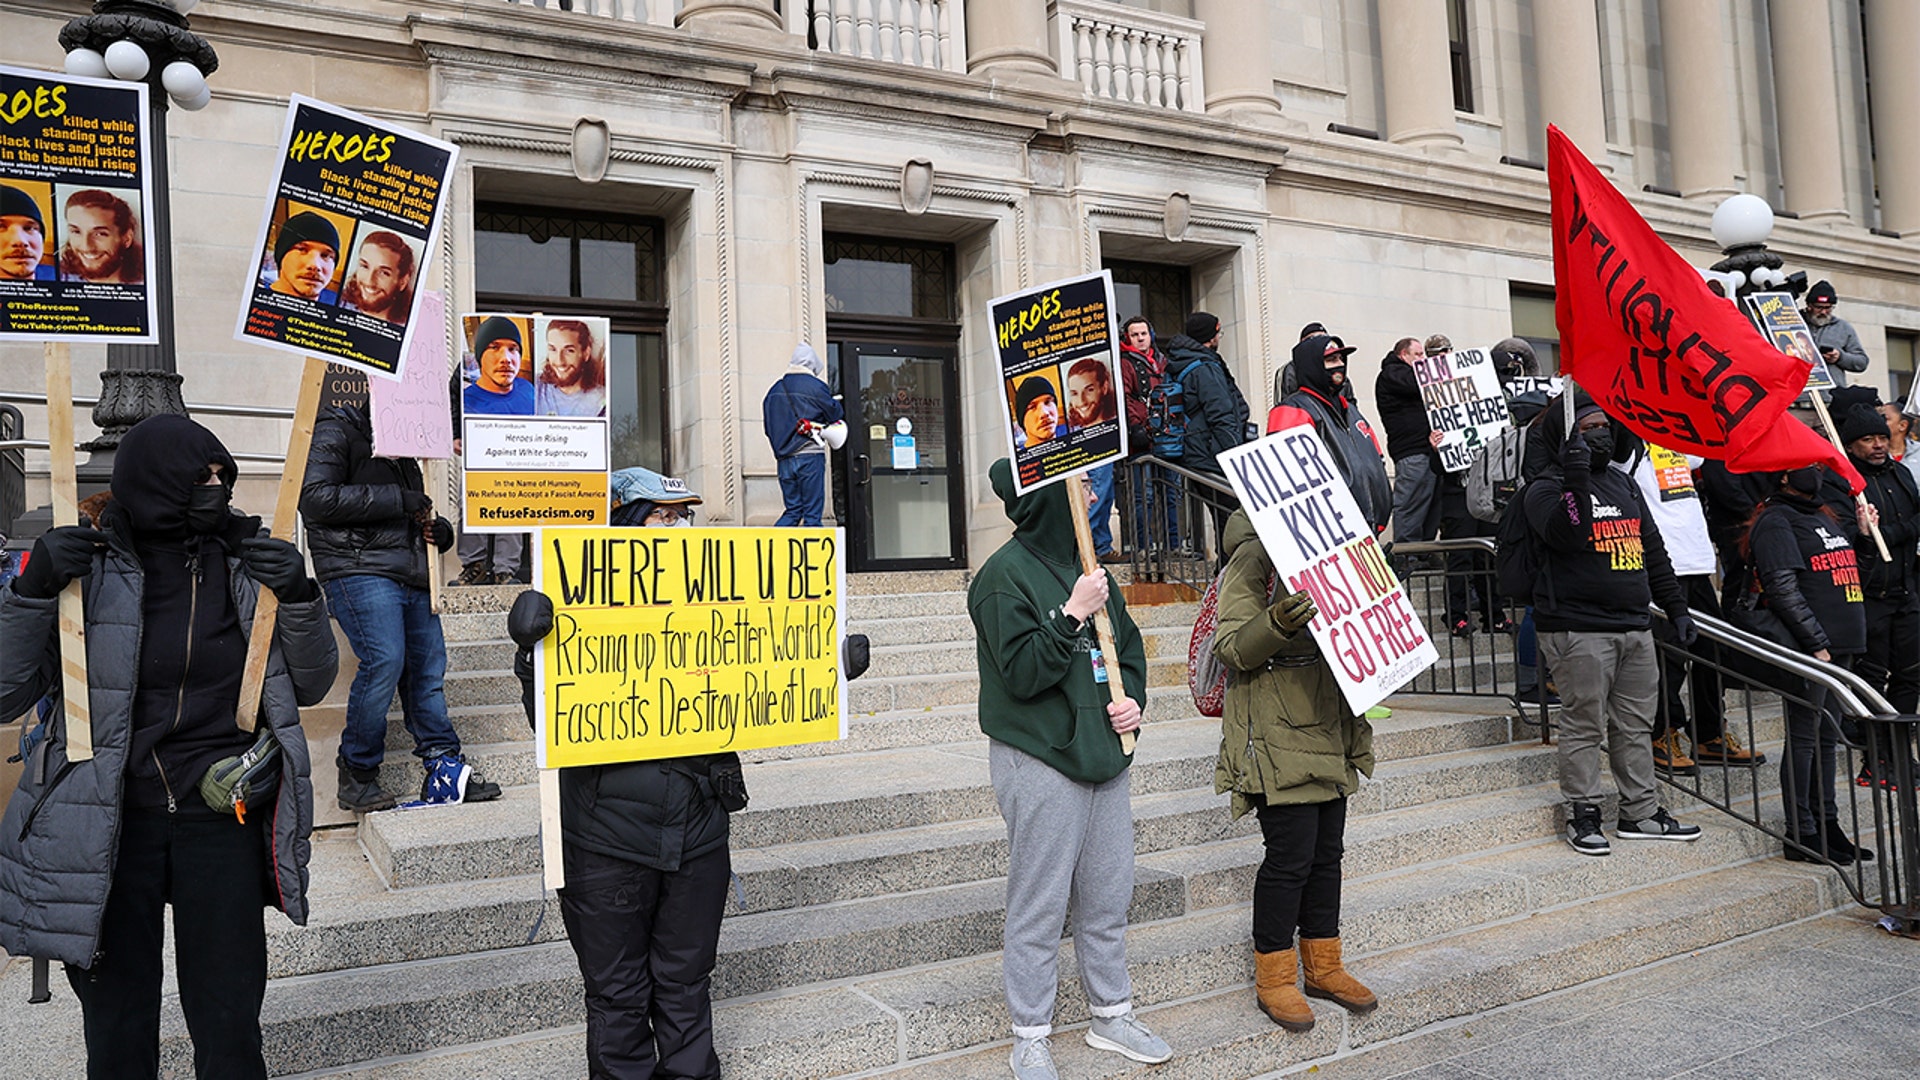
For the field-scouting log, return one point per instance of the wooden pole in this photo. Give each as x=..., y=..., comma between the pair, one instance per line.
x=435, y=472
x=66, y=511
x=552, y=865
x=1089, y=564
x=286, y=507
x=1860, y=500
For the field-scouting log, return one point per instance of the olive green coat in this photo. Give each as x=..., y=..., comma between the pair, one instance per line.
x=1286, y=732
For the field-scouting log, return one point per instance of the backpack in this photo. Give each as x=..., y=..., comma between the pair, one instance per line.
x=1517, y=558
x=1493, y=478
x=1207, y=677
x=1167, y=418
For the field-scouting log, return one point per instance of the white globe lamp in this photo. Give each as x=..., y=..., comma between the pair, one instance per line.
x=198, y=101
x=128, y=61
x=182, y=80
x=87, y=63
x=1742, y=221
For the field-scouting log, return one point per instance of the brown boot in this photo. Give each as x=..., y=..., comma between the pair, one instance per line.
x=1275, y=985
x=1327, y=977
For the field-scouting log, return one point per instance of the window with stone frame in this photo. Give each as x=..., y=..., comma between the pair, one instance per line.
x=1164, y=294
x=1901, y=347
x=903, y=279
x=1459, y=61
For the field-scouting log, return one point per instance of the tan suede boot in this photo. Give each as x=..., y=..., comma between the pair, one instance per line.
x=1276, y=984
x=1328, y=978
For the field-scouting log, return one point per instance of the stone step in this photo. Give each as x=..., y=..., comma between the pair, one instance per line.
x=508, y=764
x=476, y=725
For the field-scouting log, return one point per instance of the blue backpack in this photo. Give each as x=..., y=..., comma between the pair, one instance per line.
x=1167, y=418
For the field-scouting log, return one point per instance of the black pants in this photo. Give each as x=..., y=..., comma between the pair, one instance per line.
x=213, y=870
x=1703, y=681
x=1469, y=575
x=1892, y=660
x=649, y=995
x=1298, y=883
x=1807, y=767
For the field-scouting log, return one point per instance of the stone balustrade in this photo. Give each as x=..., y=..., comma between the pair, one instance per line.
x=652, y=12
x=1129, y=54
x=918, y=33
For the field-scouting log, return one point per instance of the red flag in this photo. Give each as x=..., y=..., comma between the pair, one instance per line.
x=1639, y=331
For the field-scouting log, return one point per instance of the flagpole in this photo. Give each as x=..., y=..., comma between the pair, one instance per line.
x=1859, y=501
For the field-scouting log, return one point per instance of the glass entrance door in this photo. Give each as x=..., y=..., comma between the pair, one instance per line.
x=902, y=459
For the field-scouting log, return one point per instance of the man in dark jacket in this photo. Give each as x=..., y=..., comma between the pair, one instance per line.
x=92, y=852
x=1216, y=411
x=1321, y=363
x=798, y=411
x=1602, y=562
x=1892, y=660
x=1411, y=443
x=1059, y=773
x=368, y=523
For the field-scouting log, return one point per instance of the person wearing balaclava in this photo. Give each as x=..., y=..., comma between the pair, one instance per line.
x=1806, y=577
x=799, y=411
x=93, y=852
x=1059, y=773
x=1321, y=363
x=1602, y=563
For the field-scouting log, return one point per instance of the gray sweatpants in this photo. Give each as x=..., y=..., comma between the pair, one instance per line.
x=1609, y=683
x=1070, y=846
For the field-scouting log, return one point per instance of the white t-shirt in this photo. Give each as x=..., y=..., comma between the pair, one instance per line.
x=1666, y=482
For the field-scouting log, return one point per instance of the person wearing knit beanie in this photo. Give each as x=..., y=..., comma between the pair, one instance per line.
x=498, y=390
x=23, y=236
x=1860, y=422
x=1203, y=327
x=306, y=250
x=1038, y=408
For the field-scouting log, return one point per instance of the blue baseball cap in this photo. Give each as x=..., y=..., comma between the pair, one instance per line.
x=639, y=484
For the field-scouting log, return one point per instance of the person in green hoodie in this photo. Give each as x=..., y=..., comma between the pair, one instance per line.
x=1292, y=752
x=1059, y=774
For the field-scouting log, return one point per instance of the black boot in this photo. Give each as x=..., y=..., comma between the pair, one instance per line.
x=1842, y=846
x=360, y=790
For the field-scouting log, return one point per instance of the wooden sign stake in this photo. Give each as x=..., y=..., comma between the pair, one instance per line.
x=1090, y=563
x=286, y=507
x=552, y=864
x=435, y=474
x=66, y=511
x=1860, y=500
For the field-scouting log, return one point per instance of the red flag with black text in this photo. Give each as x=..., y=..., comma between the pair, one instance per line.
x=1640, y=331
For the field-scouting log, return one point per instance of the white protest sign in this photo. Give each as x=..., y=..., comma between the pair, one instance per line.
x=1313, y=531
x=1464, y=403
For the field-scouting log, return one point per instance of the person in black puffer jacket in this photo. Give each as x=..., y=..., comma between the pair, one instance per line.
x=368, y=522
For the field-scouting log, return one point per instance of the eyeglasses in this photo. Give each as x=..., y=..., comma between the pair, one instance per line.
x=667, y=515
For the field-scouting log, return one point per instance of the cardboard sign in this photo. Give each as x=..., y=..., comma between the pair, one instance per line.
x=1313, y=531
x=1779, y=320
x=346, y=387
x=76, y=249
x=1464, y=403
x=534, y=425
x=1059, y=383
x=412, y=417
x=669, y=642
x=346, y=239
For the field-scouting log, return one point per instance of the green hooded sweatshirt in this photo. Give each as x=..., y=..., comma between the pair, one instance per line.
x=1037, y=687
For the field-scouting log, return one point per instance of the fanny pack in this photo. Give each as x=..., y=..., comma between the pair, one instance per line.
x=232, y=782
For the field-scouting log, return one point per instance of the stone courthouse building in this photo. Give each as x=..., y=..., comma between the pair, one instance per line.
x=726, y=178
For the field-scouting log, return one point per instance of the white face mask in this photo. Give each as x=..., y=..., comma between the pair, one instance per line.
x=680, y=523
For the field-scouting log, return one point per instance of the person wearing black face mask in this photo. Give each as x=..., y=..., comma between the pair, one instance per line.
x=1604, y=560
x=1323, y=397
x=92, y=852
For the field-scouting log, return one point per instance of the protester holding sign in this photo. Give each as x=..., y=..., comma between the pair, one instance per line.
x=1834, y=336
x=1059, y=773
x=92, y=853
x=1292, y=752
x=1411, y=442
x=1323, y=401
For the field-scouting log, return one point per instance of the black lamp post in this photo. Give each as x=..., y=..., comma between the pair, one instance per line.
x=1741, y=226
x=142, y=41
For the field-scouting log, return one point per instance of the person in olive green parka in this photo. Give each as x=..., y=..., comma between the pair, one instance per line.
x=1292, y=752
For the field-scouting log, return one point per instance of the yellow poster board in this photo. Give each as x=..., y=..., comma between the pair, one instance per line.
x=670, y=642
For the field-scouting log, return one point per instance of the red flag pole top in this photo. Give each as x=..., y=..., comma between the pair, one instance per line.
x=1640, y=331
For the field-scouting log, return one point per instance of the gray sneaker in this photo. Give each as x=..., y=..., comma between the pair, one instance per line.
x=1660, y=826
x=1033, y=1059
x=1125, y=1034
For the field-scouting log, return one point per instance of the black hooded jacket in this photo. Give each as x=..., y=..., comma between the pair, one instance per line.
x=1403, y=412
x=1348, y=437
x=1216, y=410
x=351, y=500
x=1892, y=491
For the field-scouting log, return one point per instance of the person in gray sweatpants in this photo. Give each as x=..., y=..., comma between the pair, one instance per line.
x=1060, y=773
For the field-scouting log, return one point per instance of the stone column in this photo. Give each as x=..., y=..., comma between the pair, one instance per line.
x=1892, y=31
x=1009, y=37
x=749, y=16
x=1237, y=53
x=1701, y=121
x=1808, y=102
x=1566, y=58
x=1414, y=67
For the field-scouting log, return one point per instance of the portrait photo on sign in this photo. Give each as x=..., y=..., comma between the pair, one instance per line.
x=303, y=253
x=1038, y=415
x=100, y=235
x=570, y=376
x=1090, y=393
x=495, y=367
x=379, y=279
x=25, y=210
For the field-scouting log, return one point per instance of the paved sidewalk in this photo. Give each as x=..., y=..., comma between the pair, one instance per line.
x=1833, y=997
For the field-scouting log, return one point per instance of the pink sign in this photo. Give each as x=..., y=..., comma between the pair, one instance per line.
x=411, y=415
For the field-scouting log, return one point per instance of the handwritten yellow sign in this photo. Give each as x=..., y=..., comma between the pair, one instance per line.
x=670, y=642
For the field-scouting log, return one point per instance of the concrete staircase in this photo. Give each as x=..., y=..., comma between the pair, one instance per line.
x=863, y=937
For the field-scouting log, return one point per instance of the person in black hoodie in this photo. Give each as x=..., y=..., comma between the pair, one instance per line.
x=1321, y=363
x=1602, y=562
x=1216, y=410
x=369, y=521
x=1411, y=443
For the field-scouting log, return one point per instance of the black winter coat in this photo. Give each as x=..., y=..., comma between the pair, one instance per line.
x=351, y=500
x=1891, y=490
x=1216, y=410
x=1403, y=412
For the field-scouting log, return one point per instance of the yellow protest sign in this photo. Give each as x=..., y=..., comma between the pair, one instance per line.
x=670, y=642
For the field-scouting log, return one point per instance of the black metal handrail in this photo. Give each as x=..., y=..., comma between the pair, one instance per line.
x=1165, y=510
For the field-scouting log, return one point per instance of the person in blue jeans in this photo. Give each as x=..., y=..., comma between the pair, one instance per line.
x=801, y=415
x=369, y=521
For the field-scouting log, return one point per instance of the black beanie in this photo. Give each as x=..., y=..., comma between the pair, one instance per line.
x=493, y=329
x=305, y=227
x=1201, y=326
x=17, y=203
x=1822, y=291
x=1031, y=389
x=1860, y=422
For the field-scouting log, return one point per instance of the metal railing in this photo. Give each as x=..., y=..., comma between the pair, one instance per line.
x=11, y=440
x=1166, y=512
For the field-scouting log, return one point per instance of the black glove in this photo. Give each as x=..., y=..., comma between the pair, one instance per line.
x=1684, y=631
x=59, y=556
x=279, y=566
x=415, y=503
x=1576, y=460
x=1292, y=613
x=442, y=533
x=531, y=618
